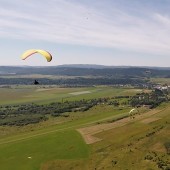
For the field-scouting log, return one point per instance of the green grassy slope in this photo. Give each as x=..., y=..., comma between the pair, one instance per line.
x=52, y=145
x=31, y=153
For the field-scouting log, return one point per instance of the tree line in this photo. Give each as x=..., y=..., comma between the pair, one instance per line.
x=20, y=115
x=80, y=81
x=152, y=100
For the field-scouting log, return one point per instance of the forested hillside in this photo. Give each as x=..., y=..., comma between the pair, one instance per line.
x=82, y=71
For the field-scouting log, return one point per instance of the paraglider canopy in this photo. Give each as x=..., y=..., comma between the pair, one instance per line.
x=132, y=110
x=30, y=52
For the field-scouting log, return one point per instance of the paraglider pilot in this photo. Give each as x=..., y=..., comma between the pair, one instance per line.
x=36, y=82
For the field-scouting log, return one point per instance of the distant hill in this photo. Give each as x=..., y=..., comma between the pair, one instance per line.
x=90, y=66
x=86, y=70
x=103, y=66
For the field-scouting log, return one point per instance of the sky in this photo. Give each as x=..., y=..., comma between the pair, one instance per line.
x=104, y=32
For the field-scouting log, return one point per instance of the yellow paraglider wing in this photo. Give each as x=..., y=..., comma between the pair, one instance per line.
x=44, y=53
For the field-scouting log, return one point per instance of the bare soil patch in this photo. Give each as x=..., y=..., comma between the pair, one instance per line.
x=151, y=119
x=88, y=132
x=80, y=92
x=39, y=90
x=159, y=148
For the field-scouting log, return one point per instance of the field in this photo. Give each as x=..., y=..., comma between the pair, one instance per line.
x=161, y=80
x=122, y=143
x=47, y=94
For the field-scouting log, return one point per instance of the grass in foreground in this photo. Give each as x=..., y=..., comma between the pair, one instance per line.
x=137, y=145
x=31, y=153
x=53, y=146
x=140, y=145
x=53, y=143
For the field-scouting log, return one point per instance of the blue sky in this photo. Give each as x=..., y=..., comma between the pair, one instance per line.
x=107, y=32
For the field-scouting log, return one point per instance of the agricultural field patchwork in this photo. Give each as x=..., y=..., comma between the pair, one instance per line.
x=104, y=136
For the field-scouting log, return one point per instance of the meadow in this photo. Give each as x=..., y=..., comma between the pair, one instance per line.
x=162, y=81
x=56, y=144
x=45, y=94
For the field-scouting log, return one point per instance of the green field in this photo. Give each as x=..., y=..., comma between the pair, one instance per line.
x=56, y=143
x=46, y=94
x=129, y=145
x=30, y=153
x=161, y=80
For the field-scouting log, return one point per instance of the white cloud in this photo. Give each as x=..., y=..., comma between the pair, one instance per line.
x=72, y=23
x=165, y=20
